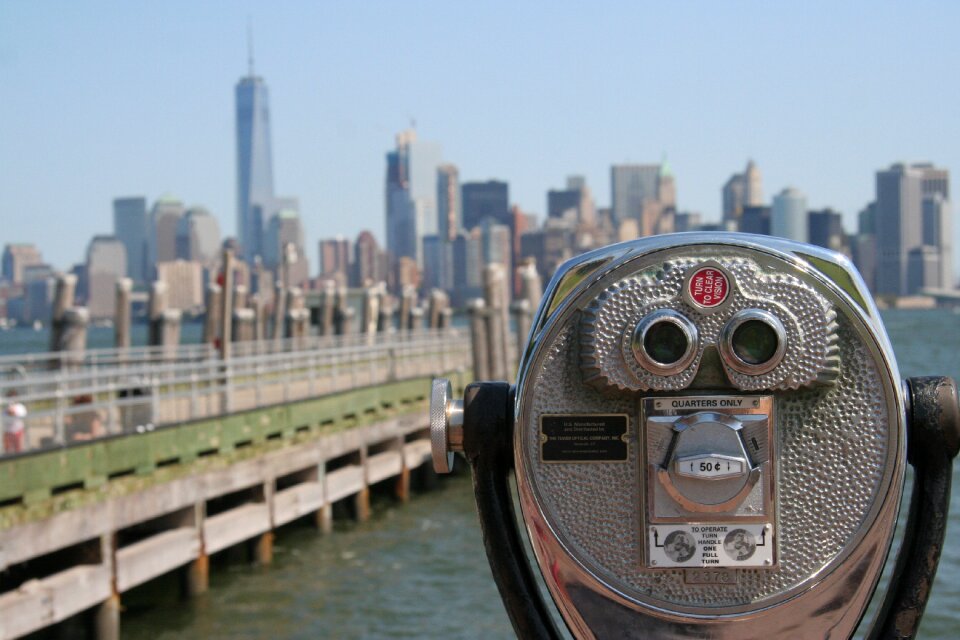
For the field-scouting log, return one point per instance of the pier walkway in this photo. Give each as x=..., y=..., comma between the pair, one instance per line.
x=139, y=462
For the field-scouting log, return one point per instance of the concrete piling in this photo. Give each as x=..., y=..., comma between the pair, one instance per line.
x=211, y=320
x=495, y=294
x=531, y=288
x=522, y=317
x=226, y=305
x=156, y=305
x=195, y=579
x=407, y=303
x=121, y=314
x=328, y=304
x=371, y=311
x=279, y=309
x=63, y=296
x=244, y=325
x=477, y=314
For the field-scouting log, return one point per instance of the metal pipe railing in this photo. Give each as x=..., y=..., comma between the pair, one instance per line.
x=108, y=393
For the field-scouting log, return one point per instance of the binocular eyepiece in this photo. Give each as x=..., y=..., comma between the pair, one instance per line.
x=709, y=436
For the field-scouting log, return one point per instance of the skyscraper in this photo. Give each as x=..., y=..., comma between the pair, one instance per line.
x=449, y=210
x=106, y=263
x=162, y=233
x=788, y=216
x=16, y=258
x=411, y=195
x=630, y=186
x=742, y=190
x=130, y=228
x=490, y=199
x=198, y=236
x=254, y=163
x=908, y=196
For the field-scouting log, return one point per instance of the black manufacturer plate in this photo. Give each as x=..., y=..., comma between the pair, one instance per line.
x=583, y=438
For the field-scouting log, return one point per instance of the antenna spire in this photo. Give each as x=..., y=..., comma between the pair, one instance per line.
x=249, y=47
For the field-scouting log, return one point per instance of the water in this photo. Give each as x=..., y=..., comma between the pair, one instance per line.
x=27, y=340
x=420, y=570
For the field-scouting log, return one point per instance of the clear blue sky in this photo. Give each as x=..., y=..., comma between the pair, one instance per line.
x=99, y=100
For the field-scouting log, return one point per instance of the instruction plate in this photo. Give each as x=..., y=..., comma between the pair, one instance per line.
x=710, y=544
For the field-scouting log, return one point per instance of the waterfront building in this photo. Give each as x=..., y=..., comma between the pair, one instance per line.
x=369, y=261
x=686, y=221
x=198, y=237
x=254, y=163
x=411, y=195
x=334, y=258
x=162, y=237
x=449, y=204
x=742, y=190
x=630, y=186
x=825, y=229
x=574, y=201
x=788, y=216
x=481, y=200
x=864, y=245
x=284, y=241
x=39, y=285
x=184, y=279
x=754, y=219
x=912, y=207
x=106, y=263
x=130, y=226
x=467, y=260
x=16, y=259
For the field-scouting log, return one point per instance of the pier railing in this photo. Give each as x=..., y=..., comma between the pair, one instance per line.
x=109, y=392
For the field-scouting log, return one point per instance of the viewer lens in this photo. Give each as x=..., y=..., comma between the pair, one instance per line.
x=755, y=342
x=665, y=342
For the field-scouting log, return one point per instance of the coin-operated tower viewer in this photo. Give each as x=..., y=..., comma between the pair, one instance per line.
x=710, y=438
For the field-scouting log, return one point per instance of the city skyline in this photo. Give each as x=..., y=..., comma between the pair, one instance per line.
x=329, y=137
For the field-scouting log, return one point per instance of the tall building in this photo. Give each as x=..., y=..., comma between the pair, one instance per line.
x=369, y=261
x=284, y=234
x=742, y=190
x=162, y=232
x=16, y=258
x=254, y=163
x=826, y=230
x=630, y=186
x=905, y=193
x=334, y=257
x=106, y=263
x=481, y=200
x=755, y=219
x=184, y=280
x=131, y=228
x=449, y=205
x=788, y=216
x=411, y=195
x=198, y=236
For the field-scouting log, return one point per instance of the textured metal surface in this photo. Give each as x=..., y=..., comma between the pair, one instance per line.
x=808, y=320
x=440, y=394
x=839, y=442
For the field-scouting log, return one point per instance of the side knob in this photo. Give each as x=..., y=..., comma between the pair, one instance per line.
x=446, y=425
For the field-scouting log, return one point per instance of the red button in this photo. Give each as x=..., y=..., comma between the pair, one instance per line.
x=708, y=287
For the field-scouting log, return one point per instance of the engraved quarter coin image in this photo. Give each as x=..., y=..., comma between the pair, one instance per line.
x=679, y=546
x=740, y=544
